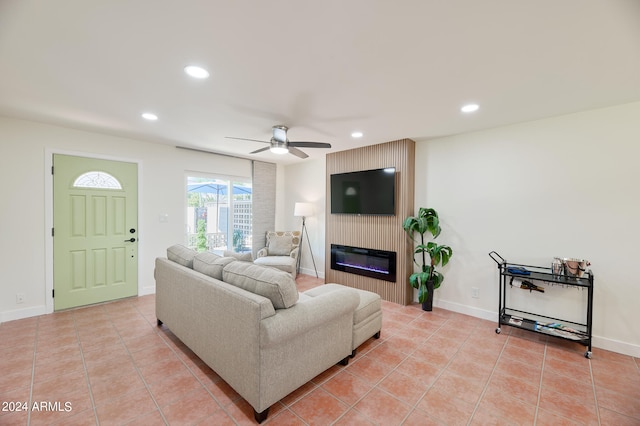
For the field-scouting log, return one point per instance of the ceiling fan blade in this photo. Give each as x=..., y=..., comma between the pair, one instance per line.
x=297, y=152
x=260, y=150
x=245, y=139
x=310, y=144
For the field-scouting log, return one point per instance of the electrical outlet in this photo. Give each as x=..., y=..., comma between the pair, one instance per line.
x=20, y=298
x=475, y=292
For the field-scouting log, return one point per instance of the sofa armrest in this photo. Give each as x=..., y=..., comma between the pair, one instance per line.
x=294, y=252
x=306, y=315
x=262, y=252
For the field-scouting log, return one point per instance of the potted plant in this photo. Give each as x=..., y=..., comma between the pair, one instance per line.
x=428, y=279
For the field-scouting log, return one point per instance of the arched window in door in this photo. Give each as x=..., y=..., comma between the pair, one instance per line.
x=97, y=180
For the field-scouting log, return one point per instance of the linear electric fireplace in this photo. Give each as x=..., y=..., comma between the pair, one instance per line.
x=361, y=261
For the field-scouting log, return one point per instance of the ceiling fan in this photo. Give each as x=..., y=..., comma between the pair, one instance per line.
x=280, y=144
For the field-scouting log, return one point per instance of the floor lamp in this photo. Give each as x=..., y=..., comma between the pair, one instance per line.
x=304, y=210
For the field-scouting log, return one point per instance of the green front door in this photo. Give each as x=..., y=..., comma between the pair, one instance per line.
x=95, y=219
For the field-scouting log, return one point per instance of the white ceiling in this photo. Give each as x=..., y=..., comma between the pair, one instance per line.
x=391, y=69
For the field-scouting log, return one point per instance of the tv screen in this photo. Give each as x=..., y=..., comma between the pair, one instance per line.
x=370, y=192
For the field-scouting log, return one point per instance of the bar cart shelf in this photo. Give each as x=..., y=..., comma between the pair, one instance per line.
x=578, y=332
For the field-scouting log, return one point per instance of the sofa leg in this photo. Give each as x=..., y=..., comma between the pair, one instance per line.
x=377, y=335
x=344, y=361
x=159, y=323
x=260, y=417
x=353, y=353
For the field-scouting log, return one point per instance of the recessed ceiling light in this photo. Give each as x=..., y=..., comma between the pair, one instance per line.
x=196, y=72
x=357, y=134
x=149, y=116
x=470, y=108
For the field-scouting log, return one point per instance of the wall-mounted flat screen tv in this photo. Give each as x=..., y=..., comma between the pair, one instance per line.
x=371, y=192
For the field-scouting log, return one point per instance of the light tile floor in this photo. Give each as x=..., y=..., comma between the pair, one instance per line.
x=111, y=365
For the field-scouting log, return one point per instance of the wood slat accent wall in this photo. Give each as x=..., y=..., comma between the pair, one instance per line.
x=375, y=232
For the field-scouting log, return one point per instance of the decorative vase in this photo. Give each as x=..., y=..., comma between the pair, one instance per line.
x=427, y=305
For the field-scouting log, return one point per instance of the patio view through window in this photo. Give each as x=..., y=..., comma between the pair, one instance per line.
x=218, y=214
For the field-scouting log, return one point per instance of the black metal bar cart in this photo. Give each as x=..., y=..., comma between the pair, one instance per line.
x=578, y=332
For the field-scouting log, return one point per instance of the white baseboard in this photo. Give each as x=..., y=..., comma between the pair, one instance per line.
x=616, y=346
x=597, y=341
x=307, y=271
x=17, y=314
x=145, y=291
x=467, y=310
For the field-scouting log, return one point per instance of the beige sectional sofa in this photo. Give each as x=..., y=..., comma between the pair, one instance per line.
x=249, y=324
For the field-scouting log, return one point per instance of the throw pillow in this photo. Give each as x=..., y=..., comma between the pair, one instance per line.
x=182, y=255
x=211, y=264
x=274, y=284
x=245, y=257
x=280, y=245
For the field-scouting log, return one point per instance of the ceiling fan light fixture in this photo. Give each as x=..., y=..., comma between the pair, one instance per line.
x=280, y=133
x=278, y=147
x=279, y=150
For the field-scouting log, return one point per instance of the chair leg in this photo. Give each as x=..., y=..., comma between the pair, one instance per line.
x=377, y=335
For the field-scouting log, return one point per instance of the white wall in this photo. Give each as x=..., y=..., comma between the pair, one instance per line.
x=305, y=182
x=25, y=151
x=565, y=186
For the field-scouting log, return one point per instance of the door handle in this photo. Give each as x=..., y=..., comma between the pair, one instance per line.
x=130, y=240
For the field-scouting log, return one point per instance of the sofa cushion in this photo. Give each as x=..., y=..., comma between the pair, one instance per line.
x=245, y=257
x=211, y=264
x=278, y=286
x=285, y=263
x=370, y=303
x=280, y=245
x=181, y=254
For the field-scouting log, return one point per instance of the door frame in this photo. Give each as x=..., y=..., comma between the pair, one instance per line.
x=48, y=217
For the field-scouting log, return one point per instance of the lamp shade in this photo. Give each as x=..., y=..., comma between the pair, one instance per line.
x=303, y=209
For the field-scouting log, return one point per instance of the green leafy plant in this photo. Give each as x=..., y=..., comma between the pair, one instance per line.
x=426, y=221
x=201, y=239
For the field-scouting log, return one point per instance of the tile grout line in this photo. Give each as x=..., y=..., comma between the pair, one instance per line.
x=595, y=395
x=415, y=406
x=375, y=386
x=33, y=371
x=86, y=372
x=544, y=360
x=195, y=376
x=42, y=328
x=486, y=386
x=135, y=365
x=319, y=385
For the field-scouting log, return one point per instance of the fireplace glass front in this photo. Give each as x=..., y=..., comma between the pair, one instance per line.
x=371, y=263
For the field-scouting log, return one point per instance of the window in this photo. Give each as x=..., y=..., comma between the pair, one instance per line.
x=97, y=179
x=218, y=214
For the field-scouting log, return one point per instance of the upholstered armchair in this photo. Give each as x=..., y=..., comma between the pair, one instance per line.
x=281, y=251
